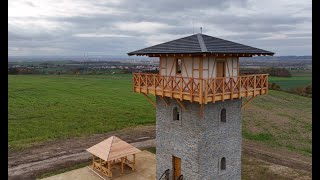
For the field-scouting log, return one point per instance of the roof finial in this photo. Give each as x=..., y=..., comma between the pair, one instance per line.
x=200, y=30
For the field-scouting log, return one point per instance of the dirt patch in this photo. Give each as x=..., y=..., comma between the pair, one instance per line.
x=29, y=163
x=280, y=156
x=50, y=156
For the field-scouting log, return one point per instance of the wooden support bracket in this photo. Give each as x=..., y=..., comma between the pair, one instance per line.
x=201, y=110
x=248, y=102
x=150, y=100
x=180, y=104
x=164, y=101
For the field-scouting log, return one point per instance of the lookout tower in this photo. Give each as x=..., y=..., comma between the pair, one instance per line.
x=198, y=105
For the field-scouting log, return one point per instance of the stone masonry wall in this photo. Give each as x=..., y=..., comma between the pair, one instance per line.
x=199, y=142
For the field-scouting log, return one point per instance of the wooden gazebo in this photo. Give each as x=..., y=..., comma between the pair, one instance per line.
x=112, y=151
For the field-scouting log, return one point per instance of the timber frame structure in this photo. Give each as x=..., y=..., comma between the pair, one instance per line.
x=104, y=167
x=200, y=68
x=109, y=152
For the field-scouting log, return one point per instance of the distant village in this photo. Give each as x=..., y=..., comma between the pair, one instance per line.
x=112, y=66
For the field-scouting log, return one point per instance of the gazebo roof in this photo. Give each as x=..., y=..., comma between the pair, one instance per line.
x=200, y=44
x=112, y=148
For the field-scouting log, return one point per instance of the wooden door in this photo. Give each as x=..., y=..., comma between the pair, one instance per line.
x=220, y=69
x=176, y=163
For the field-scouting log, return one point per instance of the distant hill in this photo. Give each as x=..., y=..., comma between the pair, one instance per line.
x=125, y=57
x=74, y=58
x=277, y=58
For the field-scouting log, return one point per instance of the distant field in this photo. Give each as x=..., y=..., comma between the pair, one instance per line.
x=43, y=108
x=280, y=119
x=298, y=79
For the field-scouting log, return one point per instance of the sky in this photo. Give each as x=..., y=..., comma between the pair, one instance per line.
x=116, y=27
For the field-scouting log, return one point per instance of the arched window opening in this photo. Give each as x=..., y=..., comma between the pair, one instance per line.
x=176, y=114
x=223, y=163
x=223, y=115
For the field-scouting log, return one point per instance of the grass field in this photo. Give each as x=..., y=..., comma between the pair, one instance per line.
x=280, y=119
x=298, y=79
x=43, y=108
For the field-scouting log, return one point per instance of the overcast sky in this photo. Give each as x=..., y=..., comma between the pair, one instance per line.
x=116, y=27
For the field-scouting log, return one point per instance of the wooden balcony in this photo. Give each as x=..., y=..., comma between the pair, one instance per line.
x=200, y=89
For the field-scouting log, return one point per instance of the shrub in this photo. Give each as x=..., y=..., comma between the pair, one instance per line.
x=274, y=86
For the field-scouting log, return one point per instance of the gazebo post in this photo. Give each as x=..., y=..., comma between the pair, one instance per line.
x=100, y=165
x=134, y=162
x=109, y=169
x=92, y=160
x=121, y=165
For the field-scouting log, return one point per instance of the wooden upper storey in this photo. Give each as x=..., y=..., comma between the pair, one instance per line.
x=200, y=79
x=200, y=68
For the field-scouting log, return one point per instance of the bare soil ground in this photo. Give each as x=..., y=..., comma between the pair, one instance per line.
x=258, y=160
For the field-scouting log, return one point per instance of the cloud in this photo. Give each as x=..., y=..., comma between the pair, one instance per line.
x=115, y=27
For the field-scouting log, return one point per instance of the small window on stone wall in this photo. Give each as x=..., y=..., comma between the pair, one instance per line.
x=176, y=114
x=223, y=164
x=223, y=115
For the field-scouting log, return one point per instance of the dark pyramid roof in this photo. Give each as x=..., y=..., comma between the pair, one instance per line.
x=200, y=43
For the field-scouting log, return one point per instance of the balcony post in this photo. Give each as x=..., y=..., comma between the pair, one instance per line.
x=200, y=91
x=171, y=88
x=247, y=78
x=205, y=91
x=223, y=84
x=240, y=86
x=261, y=79
x=191, y=90
x=154, y=84
x=139, y=81
x=146, y=84
x=214, y=91
x=231, y=85
x=267, y=84
x=180, y=88
x=133, y=80
x=162, y=79
x=254, y=85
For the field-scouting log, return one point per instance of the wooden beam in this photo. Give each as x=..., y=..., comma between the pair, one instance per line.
x=96, y=173
x=122, y=165
x=134, y=162
x=109, y=169
x=100, y=165
x=180, y=104
x=248, y=102
x=150, y=100
x=93, y=161
x=164, y=101
x=201, y=110
x=185, y=67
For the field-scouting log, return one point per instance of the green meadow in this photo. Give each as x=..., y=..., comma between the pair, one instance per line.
x=42, y=108
x=298, y=79
x=48, y=107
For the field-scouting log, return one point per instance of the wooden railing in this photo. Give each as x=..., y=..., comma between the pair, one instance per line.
x=201, y=90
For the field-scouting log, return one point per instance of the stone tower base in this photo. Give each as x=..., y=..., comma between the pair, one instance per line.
x=201, y=144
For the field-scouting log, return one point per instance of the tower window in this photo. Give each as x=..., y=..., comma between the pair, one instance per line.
x=178, y=66
x=176, y=114
x=223, y=115
x=223, y=164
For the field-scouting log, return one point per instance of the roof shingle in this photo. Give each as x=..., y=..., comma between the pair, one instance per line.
x=200, y=43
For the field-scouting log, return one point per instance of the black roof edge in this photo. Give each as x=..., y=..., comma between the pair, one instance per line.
x=144, y=54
